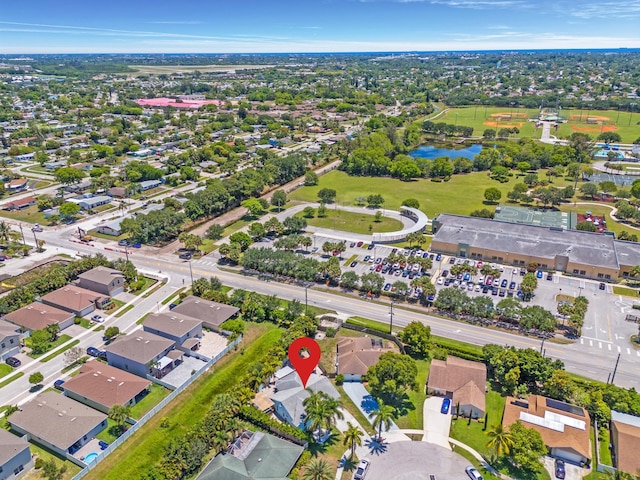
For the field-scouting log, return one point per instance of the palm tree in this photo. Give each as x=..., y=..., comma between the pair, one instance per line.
x=384, y=416
x=322, y=411
x=119, y=414
x=4, y=231
x=620, y=475
x=352, y=436
x=500, y=440
x=318, y=469
x=220, y=441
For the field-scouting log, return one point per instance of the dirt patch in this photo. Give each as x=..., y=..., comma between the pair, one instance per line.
x=509, y=115
x=579, y=118
x=503, y=125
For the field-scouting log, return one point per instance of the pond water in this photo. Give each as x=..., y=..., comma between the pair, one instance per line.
x=431, y=152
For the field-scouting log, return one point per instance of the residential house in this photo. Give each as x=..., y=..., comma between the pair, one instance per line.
x=77, y=300
x=16, y=184
x=15, y=456
x=102, y=280
x=20, y=203
x=9, y=340
x=102, y=386
x=211, y=314
x=143, y=353
x=290, y=394
x=564, y=427
x=625, y=440
x=111, y=228
x=90, y=203
x=118, y=192
x=37, y=316
x=357, y=354
x=57, y=422
x=463, y=381
x=253, y=456
x=54, y=165
x=183, y=330
x=149, y=184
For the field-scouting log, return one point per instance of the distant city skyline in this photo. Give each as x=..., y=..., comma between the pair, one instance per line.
x=279, y=26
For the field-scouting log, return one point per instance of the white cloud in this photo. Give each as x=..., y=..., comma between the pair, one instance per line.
x=480, y=4
x=608, y=9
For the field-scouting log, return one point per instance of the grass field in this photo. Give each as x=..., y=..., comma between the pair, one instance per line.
x=29, y=215
x=481, y=118
x=146, y=447
x=5, y=369
x=354, y=222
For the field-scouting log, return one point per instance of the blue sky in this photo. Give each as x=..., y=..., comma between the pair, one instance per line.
x=230, y=26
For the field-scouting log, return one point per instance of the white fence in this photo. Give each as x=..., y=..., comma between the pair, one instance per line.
x=149, y=415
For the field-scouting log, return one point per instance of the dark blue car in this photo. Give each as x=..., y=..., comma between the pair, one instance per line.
x=446, y=403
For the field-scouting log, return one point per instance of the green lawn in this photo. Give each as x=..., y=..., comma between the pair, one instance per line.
x=603, y=443
x=414, y=418
x=148, y=283
x=157, y=393
x=29, y=215
x=146, y=447
x=474, y=434
x=37, y=450
x=625, y=124
x=627, y=292
x=61, y=351
x=5, y=369
x=124, y=310
x=482, y=118
x=106, y=435
x=354, y=222
x=59, y=341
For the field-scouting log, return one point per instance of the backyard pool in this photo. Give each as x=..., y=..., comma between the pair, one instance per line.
x=90, y=457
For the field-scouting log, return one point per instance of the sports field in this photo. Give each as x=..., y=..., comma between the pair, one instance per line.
x=530, y=216
x=592, y=122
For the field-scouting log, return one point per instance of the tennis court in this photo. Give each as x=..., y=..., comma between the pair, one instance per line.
x=537, y=217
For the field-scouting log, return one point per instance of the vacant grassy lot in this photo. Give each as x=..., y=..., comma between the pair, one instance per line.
x=354, y=222
x=30, y=215
x=146, y=447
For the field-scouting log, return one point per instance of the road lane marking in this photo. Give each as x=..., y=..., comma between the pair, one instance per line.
x=591, y=343
x=619, y=350
x=628, y=351
x=599, y=344
x=609, y=346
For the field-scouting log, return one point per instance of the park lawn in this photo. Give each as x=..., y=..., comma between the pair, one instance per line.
x=461, y=195
x=5, y=370
x=625, y=124
x=414, y=418
x=146, y=447
x=481, y=118
x=157, y=393
x=29, y=214
x=354, y=222
x=50, y=346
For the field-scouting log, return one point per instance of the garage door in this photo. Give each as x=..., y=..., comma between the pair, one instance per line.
x=567, y=455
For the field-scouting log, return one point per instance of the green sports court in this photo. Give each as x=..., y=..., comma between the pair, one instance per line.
x=537, y=217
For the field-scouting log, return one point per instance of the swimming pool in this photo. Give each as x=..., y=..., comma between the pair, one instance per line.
x=90, y=457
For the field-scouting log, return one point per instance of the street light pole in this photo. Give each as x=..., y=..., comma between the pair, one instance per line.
x=615, y=369
x=391, y=319
x=22, y=232
x=191, y=272
x=306, y=299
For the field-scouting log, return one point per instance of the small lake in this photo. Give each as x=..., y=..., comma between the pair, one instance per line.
x=431, y=152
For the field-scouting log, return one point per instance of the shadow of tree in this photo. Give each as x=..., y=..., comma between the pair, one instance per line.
x=321, y=448
x=375, y=446
x=347, y=463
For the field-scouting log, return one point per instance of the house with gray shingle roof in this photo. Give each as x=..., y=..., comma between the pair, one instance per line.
x=9, y=340
x=142, y=353
x=57, y=422
x=15, y=456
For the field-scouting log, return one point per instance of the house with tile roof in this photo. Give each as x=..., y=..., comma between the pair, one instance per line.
x=463, y=381
x=564, y=427
x=625, y=439
x=57, y=422
x=102, y=386
x=15, y=456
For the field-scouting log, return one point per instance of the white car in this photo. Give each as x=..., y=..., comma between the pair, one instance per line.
x=440, y=281
x=361, y=469
x=97, y=318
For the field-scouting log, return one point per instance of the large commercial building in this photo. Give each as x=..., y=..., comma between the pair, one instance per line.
x=582, y=254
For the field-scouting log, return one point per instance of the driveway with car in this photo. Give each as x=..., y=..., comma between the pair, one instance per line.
x=436, y=424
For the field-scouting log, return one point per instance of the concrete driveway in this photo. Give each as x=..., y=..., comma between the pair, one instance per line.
x=363, y=400
x=415, y=461
x=573, y=472
x=436, y=424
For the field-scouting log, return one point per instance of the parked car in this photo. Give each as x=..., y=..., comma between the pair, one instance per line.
x=602, y=286
x=446, y=403
x=370, y=247
x=549, y=276
x=438, y=257
x=366, y=258
x=466, y=277
x=185, y=256
x=353, y=264
x=123, y=243
x=136, y=245
x=93, y=351
x=58, y=385
x=387, y=287
x=504, y=283
x=473, y=473
x=352, y=244
x=36, y=228
x=512, y=286
x=560, y=471
x=539, y=274
x=361, y=469
x=359, y=244
x=13, y=362
x=445, y=273
x=97, y=318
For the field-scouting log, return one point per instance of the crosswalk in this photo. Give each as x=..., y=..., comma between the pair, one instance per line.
x=210, y=263
x=604, y=345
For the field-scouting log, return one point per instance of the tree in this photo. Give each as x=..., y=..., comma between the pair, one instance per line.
x=36, y=378
x=68, y=175
x=242, y=239
x=69, y=209
x=295, y=224
x=492, y=195
x=607, y=187
x=73, y=355
x=310, y=178
x=215, y=232
x=523, y=166
x=349, y=280
x=318, y=469
x=279, y=199
x=119, y=414
x=372, y=282
x=230, y=251
x=527, y=447
x=392, y=376
x=327, y=195
x=586, y=226
x=590, y=189
x=529, y=284
x=254, y=206
x=257, y=231
x=322, y=411
x=411, y=203
x=274, y=226
x=500, y=440
x=416, y=238
x=322, y=210
x=383, y=417
x=309, y=212
x=418, y=337
x=352, y=437
x=51, y=470
x=111, y=332
x=405, y=168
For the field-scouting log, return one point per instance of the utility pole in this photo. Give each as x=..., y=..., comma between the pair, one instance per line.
x=542, y=346
x=22, y=232
x=35, y=240
x=613, y=376
x=191, y=272
x=306, y=299
x=391, y=319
